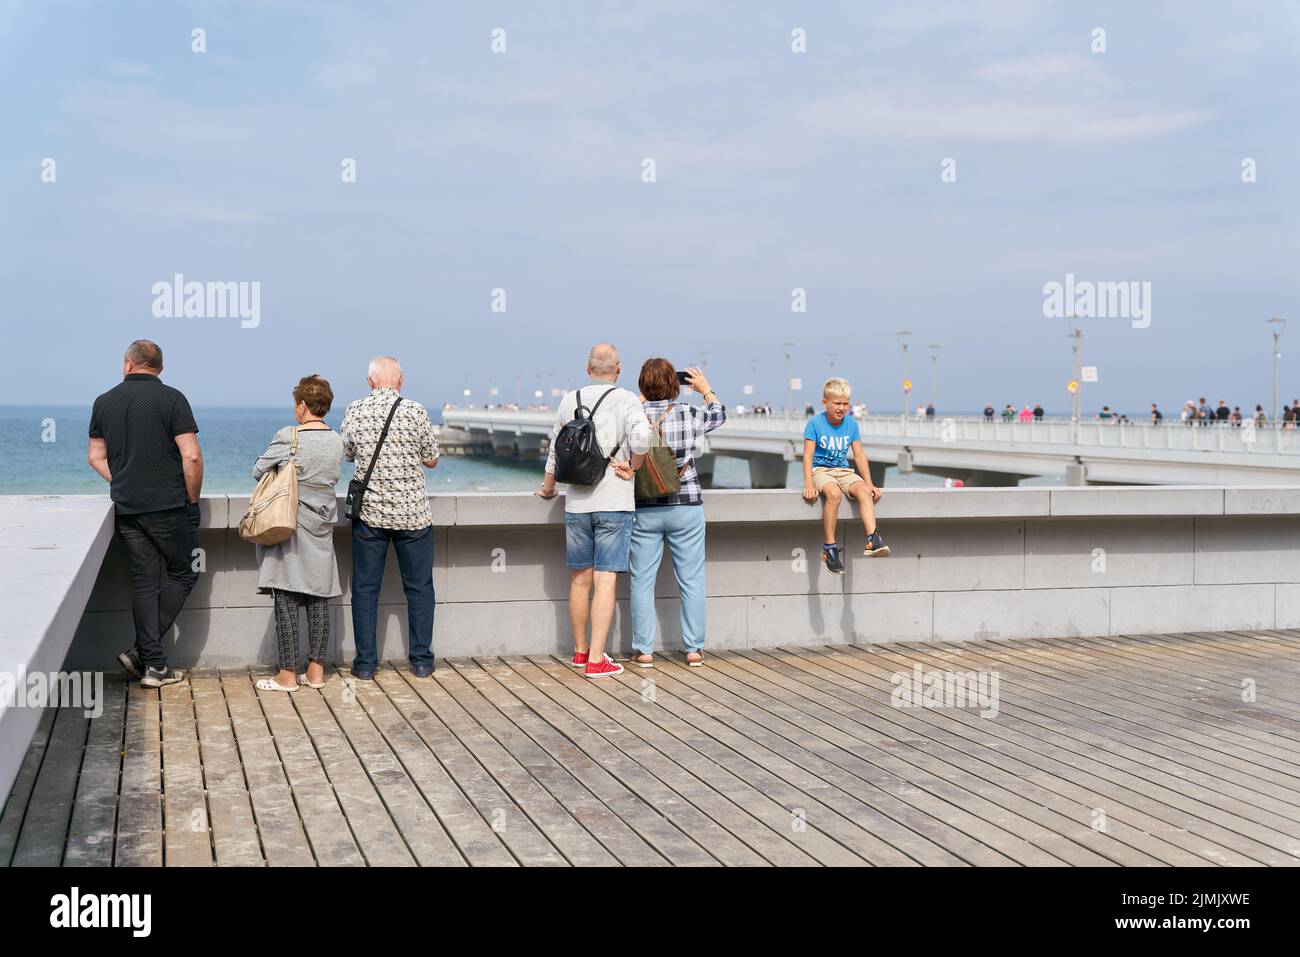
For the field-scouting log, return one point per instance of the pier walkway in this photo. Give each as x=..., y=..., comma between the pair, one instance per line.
x=1135, y=750
x=982, y=452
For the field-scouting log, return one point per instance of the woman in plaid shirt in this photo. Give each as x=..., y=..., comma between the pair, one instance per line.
x=677, y=518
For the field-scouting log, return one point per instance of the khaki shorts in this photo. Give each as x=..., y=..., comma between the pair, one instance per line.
x=844, y=478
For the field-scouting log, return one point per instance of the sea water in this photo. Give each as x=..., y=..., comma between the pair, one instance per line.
x=43, y=452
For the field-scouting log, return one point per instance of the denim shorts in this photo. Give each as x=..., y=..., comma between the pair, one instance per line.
x=598, y=540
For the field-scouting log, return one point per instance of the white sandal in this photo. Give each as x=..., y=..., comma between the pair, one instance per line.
x=699, y=663
x=302, y=680
x=270, y=684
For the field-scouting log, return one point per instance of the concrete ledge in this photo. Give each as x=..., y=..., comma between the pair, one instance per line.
x=1261, y=501
x=786, y=505
x=51, y=550
x=1138, y=500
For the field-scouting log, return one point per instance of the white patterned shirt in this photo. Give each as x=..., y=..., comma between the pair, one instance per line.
x=398, y=497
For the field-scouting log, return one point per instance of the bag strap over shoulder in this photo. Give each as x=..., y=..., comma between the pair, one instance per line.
x=293, y=443
x=592, y=414
x=365, y=482
x=658, y=432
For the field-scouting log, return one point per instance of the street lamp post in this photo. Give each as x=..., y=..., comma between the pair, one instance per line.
x=789, y=391
x=903, y=336
x=934, y=369
x=1280, y=327
x=1076, y=333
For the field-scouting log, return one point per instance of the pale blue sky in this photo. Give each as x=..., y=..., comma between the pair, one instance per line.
x=775, y=170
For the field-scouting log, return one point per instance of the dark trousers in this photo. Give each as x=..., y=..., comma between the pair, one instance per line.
x=153, y=538
x=415, y=560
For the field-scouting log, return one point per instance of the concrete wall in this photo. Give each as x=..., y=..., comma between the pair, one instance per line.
x=50, y=551
x=966, y=564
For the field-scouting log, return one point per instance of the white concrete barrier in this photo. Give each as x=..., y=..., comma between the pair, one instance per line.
x=967, y=564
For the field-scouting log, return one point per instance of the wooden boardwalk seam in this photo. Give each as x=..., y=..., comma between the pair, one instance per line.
x=1142, y=750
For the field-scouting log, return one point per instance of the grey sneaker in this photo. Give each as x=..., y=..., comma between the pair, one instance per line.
x=831, y=556
x=876, y=547
x=157, y=677
x=131, y=663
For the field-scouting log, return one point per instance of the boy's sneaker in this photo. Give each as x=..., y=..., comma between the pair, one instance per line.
x=602, y=669
x=876, y=547
x=131, y=663
x=831, y=556
x=579, y=659
x=157, y=677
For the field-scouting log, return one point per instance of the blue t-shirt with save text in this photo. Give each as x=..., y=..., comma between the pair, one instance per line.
x=833, y=442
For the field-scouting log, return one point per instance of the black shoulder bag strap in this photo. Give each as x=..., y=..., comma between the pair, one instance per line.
x=365, y=482
x=357, y=487
x=592, y=416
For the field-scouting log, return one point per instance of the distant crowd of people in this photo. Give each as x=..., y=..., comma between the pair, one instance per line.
x=1201, y=413
x=1009, y=413
x=1193, y=413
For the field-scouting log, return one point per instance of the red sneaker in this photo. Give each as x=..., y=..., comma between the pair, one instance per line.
x=579, y=659
x=603, y=669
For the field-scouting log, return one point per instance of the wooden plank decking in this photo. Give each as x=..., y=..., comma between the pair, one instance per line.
x=1142, y=750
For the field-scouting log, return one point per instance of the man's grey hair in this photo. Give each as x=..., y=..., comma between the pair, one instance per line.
x=142, y=352
x=603, y=359
x=381, y=365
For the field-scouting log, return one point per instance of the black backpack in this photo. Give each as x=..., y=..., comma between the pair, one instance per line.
x=578, y=460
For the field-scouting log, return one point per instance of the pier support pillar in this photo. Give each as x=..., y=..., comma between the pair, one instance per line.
x=505, y=445
x=767, y=470
x=704, y=469
x=1076, y=473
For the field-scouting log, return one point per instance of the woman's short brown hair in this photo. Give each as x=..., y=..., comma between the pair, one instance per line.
x=659, y=380
x=315, y=392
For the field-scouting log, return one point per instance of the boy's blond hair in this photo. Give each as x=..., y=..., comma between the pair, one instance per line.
x=836, y=388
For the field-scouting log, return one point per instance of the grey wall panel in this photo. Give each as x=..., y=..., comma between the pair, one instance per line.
x=931, y=556
x=1247, y=548
x=1043, y=613
x=1100, y=553
x=1191, y=608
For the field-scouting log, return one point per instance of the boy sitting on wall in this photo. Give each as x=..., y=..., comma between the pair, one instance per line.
x=828, y=439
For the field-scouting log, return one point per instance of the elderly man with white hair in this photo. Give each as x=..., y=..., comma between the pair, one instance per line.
x=598, y=518
x=394, y=508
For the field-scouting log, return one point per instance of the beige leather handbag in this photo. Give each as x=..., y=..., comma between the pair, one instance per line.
x=272, y=515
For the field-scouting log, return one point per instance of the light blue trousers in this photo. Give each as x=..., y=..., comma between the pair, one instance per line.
x=683, y=527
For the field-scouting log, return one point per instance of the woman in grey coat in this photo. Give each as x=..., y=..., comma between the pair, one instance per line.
x=301, y=571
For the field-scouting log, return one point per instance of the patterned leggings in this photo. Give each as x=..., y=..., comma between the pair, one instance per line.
x=287, y=604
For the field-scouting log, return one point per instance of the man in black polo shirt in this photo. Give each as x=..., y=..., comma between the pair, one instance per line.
x=143, y=443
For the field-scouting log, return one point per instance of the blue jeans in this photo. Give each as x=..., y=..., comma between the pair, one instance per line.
x=598, y=540
x=415, y=560
x=683, y=526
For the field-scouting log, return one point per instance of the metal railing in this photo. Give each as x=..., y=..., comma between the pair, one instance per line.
x=1172, y=436
x=1088, y=433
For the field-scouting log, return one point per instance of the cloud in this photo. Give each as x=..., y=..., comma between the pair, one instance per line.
x=132, y=70
x=926, y=116
x=1037, y=68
